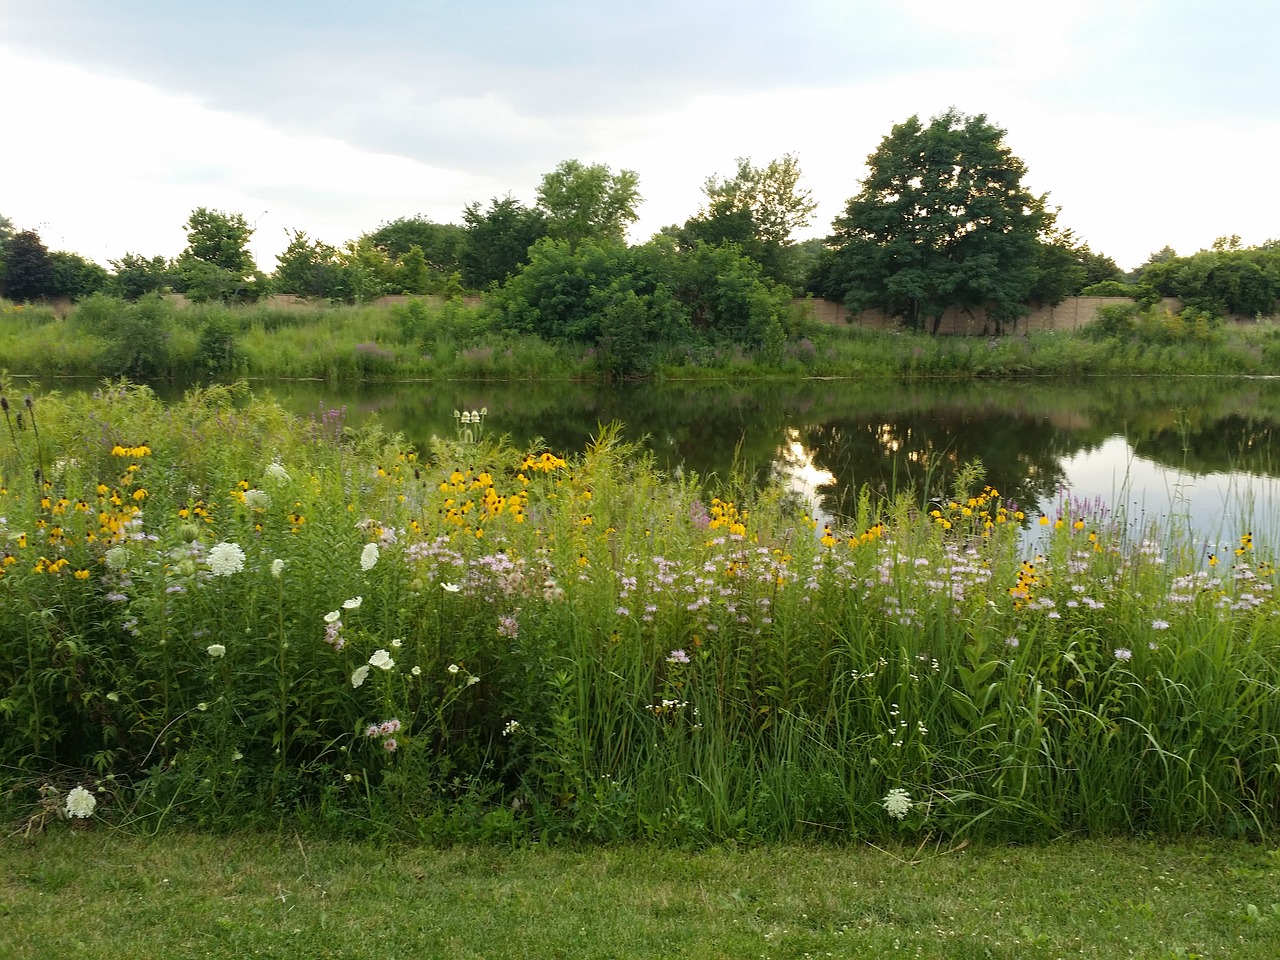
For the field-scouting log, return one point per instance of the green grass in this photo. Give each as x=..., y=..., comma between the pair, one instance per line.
x=158, y=339
x=101, y=894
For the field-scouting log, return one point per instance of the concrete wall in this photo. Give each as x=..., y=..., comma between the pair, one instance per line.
x=1070, y=315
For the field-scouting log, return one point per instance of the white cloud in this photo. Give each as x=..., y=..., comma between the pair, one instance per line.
x=125, y=164
x=422, y=116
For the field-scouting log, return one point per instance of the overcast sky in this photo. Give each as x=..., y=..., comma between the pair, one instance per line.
x=1148, y=122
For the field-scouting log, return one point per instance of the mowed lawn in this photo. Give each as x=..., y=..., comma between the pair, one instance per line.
x=97, y=893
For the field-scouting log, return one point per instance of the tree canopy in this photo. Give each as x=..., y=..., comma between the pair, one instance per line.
x=943, y=220
x=216, y=264
x=758, y=208
x=593, y=203
x=136, y=276
x=440, y=243
x=1228, y=279
x=28, y=270
x=498, y=240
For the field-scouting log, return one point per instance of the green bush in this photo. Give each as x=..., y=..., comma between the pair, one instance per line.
x=1109, y=288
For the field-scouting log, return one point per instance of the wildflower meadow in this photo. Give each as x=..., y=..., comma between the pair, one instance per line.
x=219, y=614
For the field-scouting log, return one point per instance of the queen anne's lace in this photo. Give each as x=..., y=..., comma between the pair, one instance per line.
x=81, y=803
x=898, y=803
x=225, y=559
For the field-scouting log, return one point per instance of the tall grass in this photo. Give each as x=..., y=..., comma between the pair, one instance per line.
x=221, y=614
x=158, y=338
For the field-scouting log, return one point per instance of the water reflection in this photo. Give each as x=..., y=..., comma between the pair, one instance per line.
x=1152, y=447
x=795, y=468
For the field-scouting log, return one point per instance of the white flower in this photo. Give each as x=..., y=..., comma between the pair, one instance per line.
x=277, y=472
x=216, y=650
x=225, y=559
x=397, y=643
x=450, y=587
x=454, y=668
x=359, y=674
x=353, y=603
x=897, y=804
x=472, y=679
x=416, y=671
x=256, y=499
x=277, y=567
x=1124, y=653
x=369, y=556
x=116, y=558
x=382, y=660
x=81, y=803
x=332, y=615
x=511, y=727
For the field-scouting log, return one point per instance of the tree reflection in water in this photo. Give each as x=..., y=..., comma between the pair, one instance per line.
x=830, y=438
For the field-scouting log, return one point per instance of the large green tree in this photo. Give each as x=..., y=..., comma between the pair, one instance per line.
x=498, y=240
x=28, y=270
x=308, y=268
x=758, y=208
x=441, y=244
x=1229, y=279
x=135, y=276
x=943, y=220
x=592, y=202
x=74, y=277
x=1065, y=266
x=216, y=264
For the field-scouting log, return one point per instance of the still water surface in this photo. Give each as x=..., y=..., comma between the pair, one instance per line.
x=1193, y=451
x=1196, y=452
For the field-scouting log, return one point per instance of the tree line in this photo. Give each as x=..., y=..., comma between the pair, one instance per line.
x=942, y=220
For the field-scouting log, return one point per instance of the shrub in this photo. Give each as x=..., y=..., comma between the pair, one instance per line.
x=1109, y=288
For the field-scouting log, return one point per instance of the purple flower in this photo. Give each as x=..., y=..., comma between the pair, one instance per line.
x=678, y=656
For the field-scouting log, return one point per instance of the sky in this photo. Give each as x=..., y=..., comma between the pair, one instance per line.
x=1149, y=123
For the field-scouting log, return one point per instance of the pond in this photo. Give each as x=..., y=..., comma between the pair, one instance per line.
x=1193, y=451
